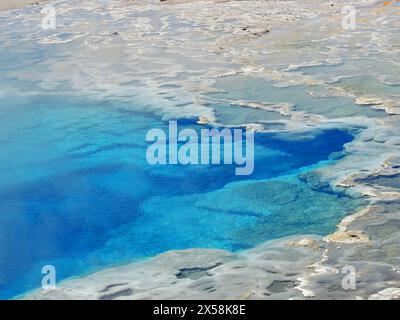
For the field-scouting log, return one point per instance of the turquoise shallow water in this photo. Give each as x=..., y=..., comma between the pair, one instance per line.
x=76, y=191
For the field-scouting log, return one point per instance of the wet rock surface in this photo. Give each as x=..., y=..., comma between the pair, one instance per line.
x=259, y=273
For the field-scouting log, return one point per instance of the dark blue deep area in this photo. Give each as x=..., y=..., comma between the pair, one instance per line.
x=76, y=190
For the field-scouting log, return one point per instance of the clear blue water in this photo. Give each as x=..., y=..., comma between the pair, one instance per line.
x=76, y=191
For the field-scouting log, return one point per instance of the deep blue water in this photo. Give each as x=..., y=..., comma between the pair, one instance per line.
x=76, y=191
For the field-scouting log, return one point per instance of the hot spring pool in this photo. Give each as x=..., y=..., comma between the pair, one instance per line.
x=76, y=191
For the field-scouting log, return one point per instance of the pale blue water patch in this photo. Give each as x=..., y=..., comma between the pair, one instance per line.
x=261, y=90
x=360, y=77
x=76, y=191
x=240, y=115
x=371, y=74
x=369, y=85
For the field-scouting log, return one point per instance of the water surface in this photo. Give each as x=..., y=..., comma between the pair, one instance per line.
x=76, y=191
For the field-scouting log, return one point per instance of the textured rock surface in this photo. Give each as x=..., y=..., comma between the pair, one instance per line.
x=267, y=271
x=9, y=5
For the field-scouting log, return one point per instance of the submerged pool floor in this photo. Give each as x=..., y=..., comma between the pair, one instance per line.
x=76, y=191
